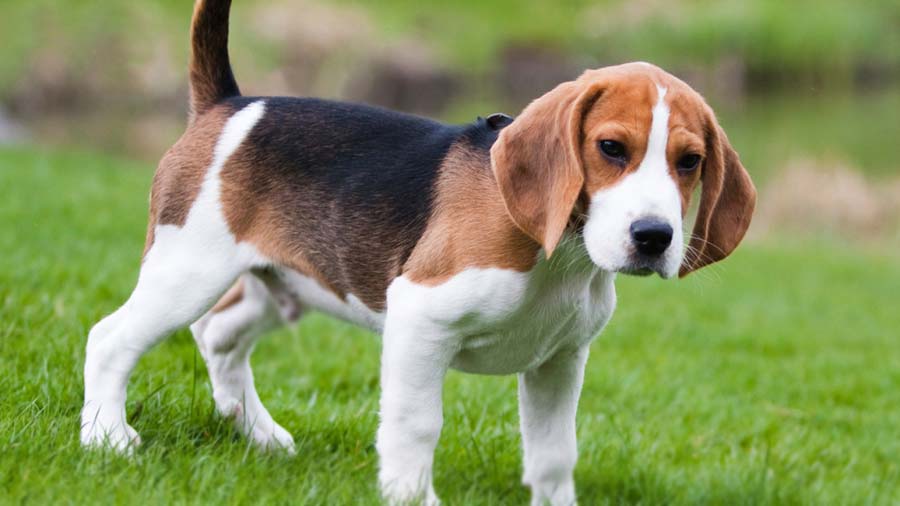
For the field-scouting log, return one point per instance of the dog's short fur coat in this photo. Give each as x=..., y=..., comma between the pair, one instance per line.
x=490, y=247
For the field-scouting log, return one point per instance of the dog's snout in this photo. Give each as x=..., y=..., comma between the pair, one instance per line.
x=651, y=236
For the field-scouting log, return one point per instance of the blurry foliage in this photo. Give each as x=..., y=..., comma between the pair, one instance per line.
x=804, y=35
x=768, y=36
x=861, y=130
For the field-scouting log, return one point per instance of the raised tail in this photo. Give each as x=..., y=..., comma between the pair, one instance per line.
x=211, y=78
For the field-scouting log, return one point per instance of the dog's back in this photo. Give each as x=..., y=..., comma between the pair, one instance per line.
x=365, y=176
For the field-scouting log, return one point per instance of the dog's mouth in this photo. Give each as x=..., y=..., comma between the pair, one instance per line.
x=640, y=271
x=643, y=267
x=635, y=263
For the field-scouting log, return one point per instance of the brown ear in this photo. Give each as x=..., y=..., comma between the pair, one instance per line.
x=726, y=203
x=537, y=162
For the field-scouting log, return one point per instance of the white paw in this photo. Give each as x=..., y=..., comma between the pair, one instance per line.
x=257, y=424
x=101, y=428
x=408, y=490
x=273, y=437
x=553, y=494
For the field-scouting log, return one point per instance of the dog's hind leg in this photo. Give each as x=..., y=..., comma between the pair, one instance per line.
x=226, y=336
x=177, y=284
x=185, y=270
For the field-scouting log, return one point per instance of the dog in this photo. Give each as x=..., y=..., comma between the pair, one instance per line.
x=490, y=247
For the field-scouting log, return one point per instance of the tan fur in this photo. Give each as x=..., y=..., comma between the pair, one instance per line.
x=687, y=127
x=726, y=203
x=261, y=223
x=622, y=112
x=180, y=173
x=537, y=165
x=469, y=226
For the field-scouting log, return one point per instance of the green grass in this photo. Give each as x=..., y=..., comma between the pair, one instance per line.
x=773, y=378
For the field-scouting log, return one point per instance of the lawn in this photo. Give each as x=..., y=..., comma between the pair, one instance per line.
x=773, y=378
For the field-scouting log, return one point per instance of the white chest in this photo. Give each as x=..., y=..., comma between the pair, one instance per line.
x=503, y=321
x=545, y=322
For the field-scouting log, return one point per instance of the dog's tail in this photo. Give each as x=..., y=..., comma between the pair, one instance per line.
x=211, y=78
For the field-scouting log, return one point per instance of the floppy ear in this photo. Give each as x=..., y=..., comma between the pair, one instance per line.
x=726, y=203
x=537, y=163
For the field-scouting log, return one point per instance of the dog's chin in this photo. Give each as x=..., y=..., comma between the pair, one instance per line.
x=639, y=270
x=647, y=267
x=634, y=264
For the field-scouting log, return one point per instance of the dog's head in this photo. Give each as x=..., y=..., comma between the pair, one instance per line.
x=623, y=148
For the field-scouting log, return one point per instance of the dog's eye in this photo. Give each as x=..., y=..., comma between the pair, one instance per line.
x=614, y=150
x=688, y=163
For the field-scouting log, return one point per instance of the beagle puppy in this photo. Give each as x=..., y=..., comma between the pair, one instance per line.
x=490, y=247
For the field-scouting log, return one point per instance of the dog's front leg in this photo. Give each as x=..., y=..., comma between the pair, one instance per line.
x=548, y=398
x=414, y=361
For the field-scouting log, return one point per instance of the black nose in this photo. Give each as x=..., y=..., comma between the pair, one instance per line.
x=650, y=236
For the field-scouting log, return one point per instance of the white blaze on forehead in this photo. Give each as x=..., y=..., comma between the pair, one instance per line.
x=655, y=156
x=655, y=190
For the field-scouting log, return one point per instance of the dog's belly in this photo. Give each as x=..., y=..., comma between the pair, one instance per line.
x=306, y=291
